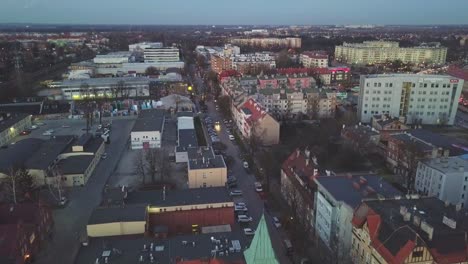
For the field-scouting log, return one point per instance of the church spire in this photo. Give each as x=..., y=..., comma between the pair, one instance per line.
x=261, y=249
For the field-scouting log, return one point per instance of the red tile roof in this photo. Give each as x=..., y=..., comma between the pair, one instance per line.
x=298, y=164
x=256, y=110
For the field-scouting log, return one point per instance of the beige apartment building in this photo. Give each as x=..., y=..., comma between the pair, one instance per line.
x=370, y=52
x=205, y=169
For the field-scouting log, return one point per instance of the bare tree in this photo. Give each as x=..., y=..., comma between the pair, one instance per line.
x=408, y=156
x=255, y=139
x=19, y=184
x=313, y=106
x=140, y=167
x=157, y=164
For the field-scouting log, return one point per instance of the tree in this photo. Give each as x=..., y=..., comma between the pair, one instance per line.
x=153, y=163
x=283, y=60
x=255, y=138
x=313, y=105
x=151, y=71
x=224, y=103
x=19, y=184
x=408, y=156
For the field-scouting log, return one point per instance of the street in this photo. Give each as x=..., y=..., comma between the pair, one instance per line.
x=72, y=219
x=246, y=183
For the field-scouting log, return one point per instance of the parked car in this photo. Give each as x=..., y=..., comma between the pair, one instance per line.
x=104, y=156
x=66, y=126
x=47, y=133
x=246, y=165
x=240, y=209
x=240, y=204
x=288, y=246
x=33, y=127
x=276, y=222
x=235, y=193
x=231, y=137
x=249, y=231
x=25, y=132
x=244, y=219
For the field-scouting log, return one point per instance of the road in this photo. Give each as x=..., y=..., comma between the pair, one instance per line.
x=246, y=181
x=72, y=219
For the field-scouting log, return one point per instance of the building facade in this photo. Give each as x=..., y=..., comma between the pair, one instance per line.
x=314, y=59
x=148, y=129
x=445, y=178
x=294, y=43
x=205, y=169
x=370, y=52
x=12, y=125
x=418, y=99
x=163, y=54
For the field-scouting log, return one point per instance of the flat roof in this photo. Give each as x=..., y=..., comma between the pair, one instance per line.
x=406, y=75
x=149, y=120
x=448, y=164
x=18, y=153
x=106, y=81
x=128, y=213
x=354, y=188
x=203, y=158
x=182, y=247
x=10, y=121
x=48, y=152
x=180, y=197
x=75, y=164
x=187, y=138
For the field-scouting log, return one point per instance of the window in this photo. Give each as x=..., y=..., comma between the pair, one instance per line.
x=418, y=254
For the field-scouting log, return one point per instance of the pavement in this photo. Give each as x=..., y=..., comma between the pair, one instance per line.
x=246, y=183
x=71, y=221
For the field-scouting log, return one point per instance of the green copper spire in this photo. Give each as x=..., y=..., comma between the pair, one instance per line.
x=261, y=250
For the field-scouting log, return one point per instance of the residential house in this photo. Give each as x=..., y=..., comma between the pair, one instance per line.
x=412, y=230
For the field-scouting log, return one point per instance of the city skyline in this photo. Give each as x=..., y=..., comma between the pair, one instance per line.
x=208, y=12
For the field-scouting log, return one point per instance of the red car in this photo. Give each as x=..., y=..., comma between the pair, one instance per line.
x=25, y=132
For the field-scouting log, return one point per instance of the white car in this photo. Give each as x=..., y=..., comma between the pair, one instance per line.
x=231, y=137
x=240, y=208
x=47, y=133
x=33, y=127
x=258, y=187
x=276, y=222
x=235, y=193
x=244, y=219
x=246, y=165
x=241, y=204
x=249, y=231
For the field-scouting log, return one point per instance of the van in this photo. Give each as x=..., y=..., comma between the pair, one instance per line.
x=288, y=246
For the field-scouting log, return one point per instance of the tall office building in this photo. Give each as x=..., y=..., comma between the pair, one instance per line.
x=418, y=99
x=370, y=52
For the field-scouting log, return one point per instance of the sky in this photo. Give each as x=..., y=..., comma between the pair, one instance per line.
x=235, y=12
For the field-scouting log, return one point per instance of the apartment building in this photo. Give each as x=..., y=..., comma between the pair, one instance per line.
x=251, y=62
x=141, y=46
x=220, y=63
x=294, y=43
x=418, y=99
x=412, y=230
x=205, y=169
x=11, y=125
x=250, y=117
x=161, y=54
x=370, y=52
x=445, y=178
x=314, y=59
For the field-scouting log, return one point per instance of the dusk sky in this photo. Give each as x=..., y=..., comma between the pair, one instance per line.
x=273, y=12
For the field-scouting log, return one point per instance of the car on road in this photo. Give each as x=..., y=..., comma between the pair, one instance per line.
x=258, y=187
x=240, y=208
x=231, y=137
x=47, y=133
x=66, y=126
x=276, y=222
x=240, y=204
x=104, y=156
x=246, y=164
x=40, y=123
x=249, y=231
x=33, y=127
x=244, y=219
x=235, y=193
x=25, y=132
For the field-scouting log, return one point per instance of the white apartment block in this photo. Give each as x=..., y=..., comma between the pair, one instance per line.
x=167, y=54
x=314, y=60
x=445, y=178
x=419, y=99
x=370, y=52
